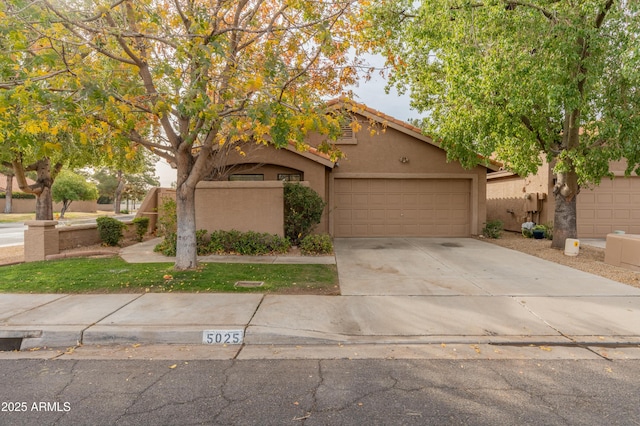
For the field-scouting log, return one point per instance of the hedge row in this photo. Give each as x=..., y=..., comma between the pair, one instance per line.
x=246, y=243
x=18, y=196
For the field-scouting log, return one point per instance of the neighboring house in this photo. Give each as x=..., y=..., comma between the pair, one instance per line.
x=613, y=205
x=14, y=187
x=393, y=181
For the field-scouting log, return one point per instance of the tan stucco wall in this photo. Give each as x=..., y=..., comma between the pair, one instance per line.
x=243, y=206
x=44, y=238
x=21, y=205
x=152, y=204
x=379, y=156
x=515, y=200
x=272, y=161
x=623, y=251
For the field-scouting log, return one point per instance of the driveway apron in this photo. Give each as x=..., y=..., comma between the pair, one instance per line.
x=458, y=267
x=400, y=290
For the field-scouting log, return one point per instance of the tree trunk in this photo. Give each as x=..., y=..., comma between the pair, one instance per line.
x=186, y=254
x=564, y=222
x=8, y=206
x=65, y=206
x=118, y=195
x=42, y=188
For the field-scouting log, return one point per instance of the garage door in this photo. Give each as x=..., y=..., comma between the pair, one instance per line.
x=402, y=207
x=612, y=205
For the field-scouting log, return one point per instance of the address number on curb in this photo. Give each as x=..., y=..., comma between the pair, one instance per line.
x=223, y=337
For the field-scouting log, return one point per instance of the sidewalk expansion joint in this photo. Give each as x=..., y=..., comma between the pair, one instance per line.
x=63, y=296
x=569, y=338
x=246, y=327
x=80, y=342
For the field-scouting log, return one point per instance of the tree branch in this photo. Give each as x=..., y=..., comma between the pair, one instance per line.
x=527, y=123
x=11, y=84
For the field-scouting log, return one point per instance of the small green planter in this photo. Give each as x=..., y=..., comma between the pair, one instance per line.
x=538, y=234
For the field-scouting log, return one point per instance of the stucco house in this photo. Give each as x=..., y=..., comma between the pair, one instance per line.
x=393, y=182
x=614, y=205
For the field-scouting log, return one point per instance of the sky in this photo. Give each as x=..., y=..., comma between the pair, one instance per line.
x=370, y=93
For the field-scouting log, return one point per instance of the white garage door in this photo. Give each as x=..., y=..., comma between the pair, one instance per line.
x=402, y=207
x=613, y=205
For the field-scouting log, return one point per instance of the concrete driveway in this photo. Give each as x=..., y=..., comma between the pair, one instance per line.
x=458, y=267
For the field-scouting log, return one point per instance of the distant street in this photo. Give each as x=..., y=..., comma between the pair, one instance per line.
x=319, y=392
x=12, y=234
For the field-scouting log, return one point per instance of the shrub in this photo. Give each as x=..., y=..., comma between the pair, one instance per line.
x=167, y=217
x=316, y=244
x=221, y=242
x=110, y=230
x=302, y=211
x=248, y=243
x=251, y=243
x=202, y=242
x=278, y=244
x=168, y=245
x=142, y=225
x=493, y=229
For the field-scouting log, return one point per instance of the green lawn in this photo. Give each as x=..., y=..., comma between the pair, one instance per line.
x=113, y=275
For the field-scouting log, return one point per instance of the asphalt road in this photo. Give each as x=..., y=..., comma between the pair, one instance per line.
x=319, y=392
x=12, y=234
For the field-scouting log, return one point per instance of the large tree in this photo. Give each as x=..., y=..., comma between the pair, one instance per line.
x=523, y=79
x=43, y=107
x=211, y=76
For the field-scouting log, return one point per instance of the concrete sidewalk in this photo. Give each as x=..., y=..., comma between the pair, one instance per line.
x=401, y=298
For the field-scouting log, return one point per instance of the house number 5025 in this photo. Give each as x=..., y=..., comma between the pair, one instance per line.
x=223, y=337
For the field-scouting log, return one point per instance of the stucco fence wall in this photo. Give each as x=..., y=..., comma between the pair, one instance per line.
x=513, y=212
x=243, y=206
x=22, y=205
x=223, y=205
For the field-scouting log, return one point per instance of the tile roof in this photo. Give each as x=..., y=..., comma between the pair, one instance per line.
x=403, y=126
x=15, y=187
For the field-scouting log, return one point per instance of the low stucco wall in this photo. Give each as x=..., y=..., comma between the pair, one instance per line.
x=86, y=235
x=44, y=237
x=623, y=250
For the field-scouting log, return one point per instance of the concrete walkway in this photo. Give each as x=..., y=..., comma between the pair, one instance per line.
x=400, y=298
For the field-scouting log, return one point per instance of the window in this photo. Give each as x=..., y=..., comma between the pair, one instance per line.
x=246, y=178
x=289, y=177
